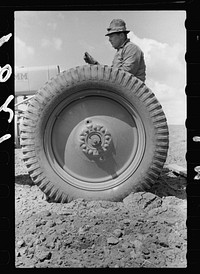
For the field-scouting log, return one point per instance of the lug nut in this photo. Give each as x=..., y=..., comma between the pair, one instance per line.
x=95, y=152
x=107, y=138
x=82, y=138
x=83, y=146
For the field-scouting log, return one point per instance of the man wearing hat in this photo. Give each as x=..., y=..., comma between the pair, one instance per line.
x=129, y=56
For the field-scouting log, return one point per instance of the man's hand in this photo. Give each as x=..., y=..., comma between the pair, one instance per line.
x=89, y=59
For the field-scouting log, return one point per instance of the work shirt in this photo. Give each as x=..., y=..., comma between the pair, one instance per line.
x=130, y=57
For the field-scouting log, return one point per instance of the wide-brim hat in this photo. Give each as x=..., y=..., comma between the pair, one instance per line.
x=117, y=25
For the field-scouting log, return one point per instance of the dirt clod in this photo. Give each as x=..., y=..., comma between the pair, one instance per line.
x=112, y=240
x=118, y=232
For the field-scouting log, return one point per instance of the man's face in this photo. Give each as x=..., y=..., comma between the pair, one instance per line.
x=116, y=39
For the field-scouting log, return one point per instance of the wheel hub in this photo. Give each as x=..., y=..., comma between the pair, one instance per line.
x=94, y=139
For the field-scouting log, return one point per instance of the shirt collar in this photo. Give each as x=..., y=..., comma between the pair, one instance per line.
x=126, y=41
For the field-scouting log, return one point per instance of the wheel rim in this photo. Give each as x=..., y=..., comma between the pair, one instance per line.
x=94, y=140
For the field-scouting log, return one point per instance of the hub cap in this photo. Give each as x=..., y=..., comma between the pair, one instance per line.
x=94, y=139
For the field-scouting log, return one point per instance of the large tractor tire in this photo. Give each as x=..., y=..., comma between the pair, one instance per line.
x=96, y=133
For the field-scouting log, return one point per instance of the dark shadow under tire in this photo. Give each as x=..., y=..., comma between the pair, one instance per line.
x=96, y=133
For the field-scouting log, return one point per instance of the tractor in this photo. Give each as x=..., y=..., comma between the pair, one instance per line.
x=91, y=132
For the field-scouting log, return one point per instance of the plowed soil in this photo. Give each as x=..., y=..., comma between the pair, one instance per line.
x=145, y=230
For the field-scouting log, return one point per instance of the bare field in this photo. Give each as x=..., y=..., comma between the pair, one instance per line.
x=177, y=145
x=145, y=230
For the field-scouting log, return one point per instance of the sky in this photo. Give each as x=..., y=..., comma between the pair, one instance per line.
x=61, y=38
